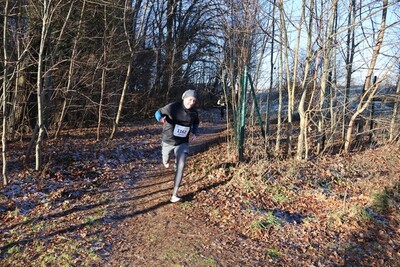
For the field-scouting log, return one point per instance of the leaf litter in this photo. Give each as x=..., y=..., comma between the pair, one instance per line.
x=106, y=204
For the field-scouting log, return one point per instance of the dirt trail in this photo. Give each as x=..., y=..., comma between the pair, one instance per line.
x=107, y=204
x=155, y=232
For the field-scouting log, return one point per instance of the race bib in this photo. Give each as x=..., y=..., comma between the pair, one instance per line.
x=181, y=131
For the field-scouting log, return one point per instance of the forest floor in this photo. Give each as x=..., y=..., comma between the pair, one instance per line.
x=106, y=203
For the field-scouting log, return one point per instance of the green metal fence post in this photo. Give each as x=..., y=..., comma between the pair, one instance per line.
x=242, y=115
x=256, y=105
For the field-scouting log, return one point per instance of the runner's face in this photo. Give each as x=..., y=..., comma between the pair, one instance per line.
x=189, y=102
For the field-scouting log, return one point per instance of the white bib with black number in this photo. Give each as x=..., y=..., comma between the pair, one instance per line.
x=181, y=131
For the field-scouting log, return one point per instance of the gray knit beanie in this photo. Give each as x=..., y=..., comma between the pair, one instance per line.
x=189, y=93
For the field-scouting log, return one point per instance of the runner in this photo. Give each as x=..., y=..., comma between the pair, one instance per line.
x=179, y=119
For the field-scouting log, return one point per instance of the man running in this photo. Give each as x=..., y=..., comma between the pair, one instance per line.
x=179, y=119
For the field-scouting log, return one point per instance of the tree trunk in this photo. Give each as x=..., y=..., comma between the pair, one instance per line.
x=392, y=134
x=325, y=79
x=16, y=110
x=370, y=89
x=285, y=43
x=103, y=77
x=292, y=89
x=39, y=87
x=371, y=117
x=333, y=86
x=100, y=110
x=350, y=48
x=228, y=125
x=279, y=111
x=170, y=54
x=4, y=97
x=121, y=100
x=304, y=86
x=271, y=83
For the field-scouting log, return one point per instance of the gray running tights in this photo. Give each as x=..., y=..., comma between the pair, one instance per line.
x=181, y=153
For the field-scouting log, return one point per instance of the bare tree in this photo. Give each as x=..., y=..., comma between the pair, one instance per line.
x=292, y=88
x=285, y=49
x=326, y=69
x=133, y=41
x=271, y=82
x=17, y=58
x=103, y=73
x=5, y=86
x=72, y=62
x=302, y=140
x=46, y=20
x=279, y=111
x=169, y=44
x=370, y=88
x=350, y=50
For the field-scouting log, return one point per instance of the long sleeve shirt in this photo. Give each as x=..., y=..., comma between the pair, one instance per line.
x=179, y=123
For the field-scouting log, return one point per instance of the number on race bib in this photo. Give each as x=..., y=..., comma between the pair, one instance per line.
x=181, y=131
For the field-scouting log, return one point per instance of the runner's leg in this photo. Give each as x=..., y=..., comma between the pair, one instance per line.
x=181, y=154
x=166, y=151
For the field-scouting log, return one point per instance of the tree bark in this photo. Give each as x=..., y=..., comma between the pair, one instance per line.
x=350, y=49
x=292, y=89
x=4, y=97
x=39, y=87
x=301, y=142
x=333, y=85
x=328, y=47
